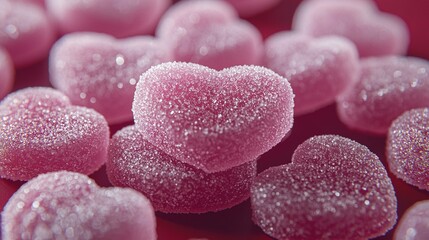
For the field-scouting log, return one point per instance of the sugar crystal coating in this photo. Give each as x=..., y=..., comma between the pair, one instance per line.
x=335, y=188
x=117, y=18
x=66, y=205
x=414, y=224
x=209, y=33
x=41, y=132
x=25, y=26
x=100, y=72
x=388, y=86
x=374, y=33
x=213, y=120
x=318, y=69
x=6, y=73
x=171, y=185
x=407, y=147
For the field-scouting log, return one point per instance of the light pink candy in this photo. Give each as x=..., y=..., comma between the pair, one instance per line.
x=335, y=188
x=374, y=33
x=7, y=73
x=173, y=186
x=66, y=205
x=209, y=33
x=414, y=224
x=120, y=19
x=252, y=7
x=26, y=34
x=317, y=69
x=41, y=132
x=388, y=86
x=213, y=120
x=100, y=72
x=407, y=147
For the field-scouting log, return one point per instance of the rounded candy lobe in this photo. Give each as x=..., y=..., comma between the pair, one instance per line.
x=41, y=132
x=98, y=71
x=334, y=188
x=209, y=119
x=23, y=27
x=407, y=147
x=373, y=32
x=388, y=86
x=414, y=224
x=318, y=69
x=173, y=186
x=7, y=73
x=120, y=19
x=66, y=205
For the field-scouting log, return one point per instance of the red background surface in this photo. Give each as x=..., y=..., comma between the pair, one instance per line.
x=235, y=223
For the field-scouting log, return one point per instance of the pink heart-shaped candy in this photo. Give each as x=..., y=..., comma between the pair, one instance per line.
x=41, y=132
x=387, y=87
x=66, y=205
x=120, y=19
x=414, y=223
x=209, y=33
x=173, y=186
x=6, y=73
x=26, y=33
x=374, y=33
x=318, y=69
x=97, y=71
x=213, y=120
x=334, y=188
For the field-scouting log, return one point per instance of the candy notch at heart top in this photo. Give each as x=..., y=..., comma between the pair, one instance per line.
x=98, y=71
x=318, y=69
x=213, y=120
x=209, y=33
x=41, y=132
x=374, y=33
x=66, y=205
x=117, y=18
x=334, y=188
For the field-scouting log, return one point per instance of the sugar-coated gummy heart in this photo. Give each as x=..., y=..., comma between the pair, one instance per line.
x=407, y=147
x=374, y=33
x=97, y=71
x=41, y=132
x=209, y=33
x=66, y=205
x=388, y=86
x=414, y=224
x=171, y=185
x=120, y=19
x=252, y=7
x=334, y=188
x=6, y=73
x=213, y=120
x=25, y=26
x=317, y=69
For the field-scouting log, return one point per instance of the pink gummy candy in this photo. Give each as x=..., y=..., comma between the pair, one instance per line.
x=335, y=188
x=252, y=7
x=173, y=186
x=6, y=73
x=374, y=33
x=317, y=69
x=213, y=120
x=407, y=147
x=388, y=86
x=414, y=224
x=66, y=205
x=97, y=71
x=41, y=132
x=118, y=18
x=25, y=26
x=209, y=33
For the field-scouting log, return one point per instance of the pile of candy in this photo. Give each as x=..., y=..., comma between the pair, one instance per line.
x=184, y=107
